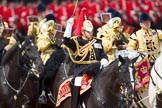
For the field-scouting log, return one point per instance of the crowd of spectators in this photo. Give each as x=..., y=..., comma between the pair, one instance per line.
x=16, y=12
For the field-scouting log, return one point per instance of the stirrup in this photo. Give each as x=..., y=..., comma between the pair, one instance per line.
x=42, y=99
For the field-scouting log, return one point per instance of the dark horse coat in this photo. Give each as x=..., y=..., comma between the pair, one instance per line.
x=16, y=88
x=105, y=88
x=3, y=43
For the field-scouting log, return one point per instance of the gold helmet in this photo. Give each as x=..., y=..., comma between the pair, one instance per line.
x=114, y=22
x=83, y=23
x=48, y=27
x=87, y=26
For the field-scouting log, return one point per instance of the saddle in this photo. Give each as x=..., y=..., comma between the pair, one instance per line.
x=64, y=90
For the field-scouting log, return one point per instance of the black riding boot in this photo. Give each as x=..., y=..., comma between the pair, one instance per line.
x=42, y=98
x=75, y=96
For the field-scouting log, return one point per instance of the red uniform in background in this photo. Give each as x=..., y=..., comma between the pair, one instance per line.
x=18, y=12
x=132, y=16
x=70, y=9
x=103, y=5
x=8, y=14
x=53, y=8
x=114, y=4
x=122, y=5
x=25, y=12
x=152, y=10
x=85, y=4
x=34, y=9
x=62, y=15
x=93, y=14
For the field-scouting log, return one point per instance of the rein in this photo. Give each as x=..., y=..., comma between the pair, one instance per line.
x=123, y=94
x=11, y=87
x=26, y=78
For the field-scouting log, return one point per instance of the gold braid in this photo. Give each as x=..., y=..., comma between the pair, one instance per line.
x=78, y=53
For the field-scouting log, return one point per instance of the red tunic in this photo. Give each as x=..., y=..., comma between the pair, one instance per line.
x=114, y=4
x=62, y=15
x=26, y=11
x=7, y=14
x=130, y=8
x=18, y=12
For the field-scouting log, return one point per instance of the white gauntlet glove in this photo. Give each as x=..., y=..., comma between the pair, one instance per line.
x=104, y=63
x=68, y=29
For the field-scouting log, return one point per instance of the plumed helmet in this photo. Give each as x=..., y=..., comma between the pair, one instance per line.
x=87, y=26
x=114, y=22
x=116, y=14
x=144, y=17
x=41, y=8
x=83, y=23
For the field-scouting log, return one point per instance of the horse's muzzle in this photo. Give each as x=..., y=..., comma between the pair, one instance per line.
x=39, y=69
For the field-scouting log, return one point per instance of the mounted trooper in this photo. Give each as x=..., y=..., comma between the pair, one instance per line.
x=45, y=42
x=112, y=35
x=146, y=40
x=85, y=51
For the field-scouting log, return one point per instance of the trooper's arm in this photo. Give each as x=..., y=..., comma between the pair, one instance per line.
x=68, y=29
x=132, y=45
x=68, y=41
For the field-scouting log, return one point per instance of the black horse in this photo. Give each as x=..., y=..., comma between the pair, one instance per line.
x=111, y=89
x=17, y=66
x=3, y=43
x=58, y=67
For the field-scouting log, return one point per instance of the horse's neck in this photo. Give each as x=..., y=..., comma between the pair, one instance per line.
x=107, y=77
x=12, y=69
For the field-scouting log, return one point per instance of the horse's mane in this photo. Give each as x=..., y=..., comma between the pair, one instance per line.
x=108, y=71
x=9, y=54
x=111, y=67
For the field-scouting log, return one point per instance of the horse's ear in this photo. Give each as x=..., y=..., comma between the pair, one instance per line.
x=121, y=59
x=18, y=37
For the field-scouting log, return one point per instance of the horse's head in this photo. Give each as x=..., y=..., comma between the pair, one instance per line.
x=30, y=57
x=125, y=78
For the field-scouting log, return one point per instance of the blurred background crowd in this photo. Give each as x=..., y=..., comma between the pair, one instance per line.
x=16, y=12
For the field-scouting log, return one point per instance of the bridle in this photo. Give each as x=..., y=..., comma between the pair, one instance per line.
x=125, y=85
x=124, y=91
x=32, y=70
